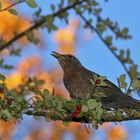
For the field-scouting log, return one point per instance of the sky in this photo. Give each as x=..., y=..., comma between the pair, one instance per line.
x=93, y=54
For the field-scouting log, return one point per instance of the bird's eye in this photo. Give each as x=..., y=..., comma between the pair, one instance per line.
x=70, y=56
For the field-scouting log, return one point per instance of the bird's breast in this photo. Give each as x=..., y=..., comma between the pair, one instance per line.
x=78, y=85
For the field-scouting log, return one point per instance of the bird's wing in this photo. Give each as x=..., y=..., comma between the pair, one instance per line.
x=109, y=83
x=112, y=86
x=115, y=99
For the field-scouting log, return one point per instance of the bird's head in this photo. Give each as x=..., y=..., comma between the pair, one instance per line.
x=67, y=61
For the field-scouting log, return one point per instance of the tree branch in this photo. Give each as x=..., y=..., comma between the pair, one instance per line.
x=39, y=23
x=105, y=118
x=6, y=8
x=103, y=40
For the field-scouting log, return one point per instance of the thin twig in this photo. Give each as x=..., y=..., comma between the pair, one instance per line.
x=103, y=40
x=6, y=8
x=39, y=24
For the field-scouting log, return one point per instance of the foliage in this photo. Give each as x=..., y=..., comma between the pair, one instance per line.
x=13, y=102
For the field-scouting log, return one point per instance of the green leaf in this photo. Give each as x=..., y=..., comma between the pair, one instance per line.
x=125, y=30
x=0, y=5
x=108, y=40
x=15, y=52
x=6, y=114
x=2, y=41
x=99, y=112
x=92, y=103
x=31, y=3
x=36, y=117
x=135, y=84
x=70, y=104
x=24, y=111
x=134, y=71
x=114, y=48
x=40, y=82
x=59, y=108
x=46, y=92
x=102, y=78
x=121, y=55
x=32, y=38
x=121, y=81
x=52, y=7
x=103, y=83
x=8, y=66
x=65, y=123
x=54, y=27
x=17, y=1
x=123, y=85
x=2, y=86
x=12, y=11
x=84, y=108
x=97, y=11
x=122, y=78
x=128, y=58
x=92, y=82
x=1, y=61
x=128, y=53
x=2, y=77
x=71, y=1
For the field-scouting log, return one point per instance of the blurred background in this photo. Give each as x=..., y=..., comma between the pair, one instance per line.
x=73, y=39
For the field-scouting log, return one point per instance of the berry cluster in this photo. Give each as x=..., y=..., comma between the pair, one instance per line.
x=76, y=113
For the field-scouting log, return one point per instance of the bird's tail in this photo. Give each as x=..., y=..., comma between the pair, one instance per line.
x=134, y=104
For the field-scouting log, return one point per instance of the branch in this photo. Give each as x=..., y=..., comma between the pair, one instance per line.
x=53, y=107
x=39, y=23
x=105, y=118
x=103, y=40
x=4, y=9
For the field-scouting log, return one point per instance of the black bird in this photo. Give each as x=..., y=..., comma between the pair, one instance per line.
x=77, y=78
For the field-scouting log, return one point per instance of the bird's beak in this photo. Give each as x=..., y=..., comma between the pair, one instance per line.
x=56, y=55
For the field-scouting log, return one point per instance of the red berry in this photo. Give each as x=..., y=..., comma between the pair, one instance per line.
x=1, y=89
x=98, y=81
x=9, y=101
x=78, y=110
x=78, y=107
x=74, y=115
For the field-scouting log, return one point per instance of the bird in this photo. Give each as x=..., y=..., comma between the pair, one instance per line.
x=77, y=80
